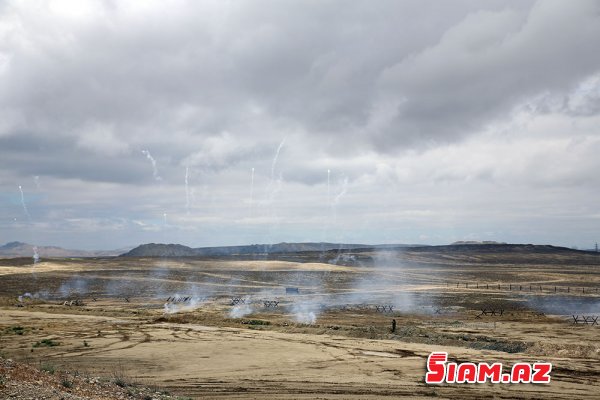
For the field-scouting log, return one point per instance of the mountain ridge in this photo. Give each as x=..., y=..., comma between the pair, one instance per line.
x=22, y=249
x=16, y=249
x=177, y=250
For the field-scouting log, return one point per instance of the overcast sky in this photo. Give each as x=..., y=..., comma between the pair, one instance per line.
x=234, y=122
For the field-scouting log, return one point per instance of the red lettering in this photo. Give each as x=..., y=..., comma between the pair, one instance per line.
x=451, y=373
x=541, y=372
x=436, y=367
x=439, y=370
x=493, y=371
x=467, y=372
x=521, y=372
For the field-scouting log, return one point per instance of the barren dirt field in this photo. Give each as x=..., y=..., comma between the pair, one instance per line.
x=226, y=328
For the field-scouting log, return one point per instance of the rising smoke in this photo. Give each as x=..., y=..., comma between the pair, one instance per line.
x=274, y=163
x=36, y=256
x=305, y=311
x=153, y=161
x=187, y=191
x=76, y=286
x=24, y=204
x=564, y=304
x=183, y=303
x=243, y=309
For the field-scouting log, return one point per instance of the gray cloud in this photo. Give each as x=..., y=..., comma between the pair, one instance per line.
x=204, y=68
x=405, y=102
x=489, y=61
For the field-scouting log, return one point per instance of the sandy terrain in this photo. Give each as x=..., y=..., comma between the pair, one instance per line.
x=347, y=351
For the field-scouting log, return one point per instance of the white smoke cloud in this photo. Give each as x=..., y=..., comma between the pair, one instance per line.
x=241, y=310
x=305, y=312
x=173, y=307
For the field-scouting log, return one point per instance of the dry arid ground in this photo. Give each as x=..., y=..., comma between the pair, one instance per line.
x=328, y=341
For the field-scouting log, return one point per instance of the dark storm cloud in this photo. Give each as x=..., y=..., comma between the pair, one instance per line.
x=203, y=68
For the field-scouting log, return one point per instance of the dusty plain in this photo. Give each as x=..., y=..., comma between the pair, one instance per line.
x=329, y=341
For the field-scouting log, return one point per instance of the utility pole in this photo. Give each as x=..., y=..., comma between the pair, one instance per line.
x=596, y=247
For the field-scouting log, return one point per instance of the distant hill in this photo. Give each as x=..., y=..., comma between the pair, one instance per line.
x=496, y=248
x=160, y=250
x=476, y=242
x=20, y=249
x=177, y=250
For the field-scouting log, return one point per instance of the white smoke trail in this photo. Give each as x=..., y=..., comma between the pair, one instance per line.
x=165, y=218
x=252, y=188
x=275, y=158
x=187, y=191
x=24, y=204
x=328, y=186
x=36, y=256
x=336, y=201
x=342, y=192
x=153, y=161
